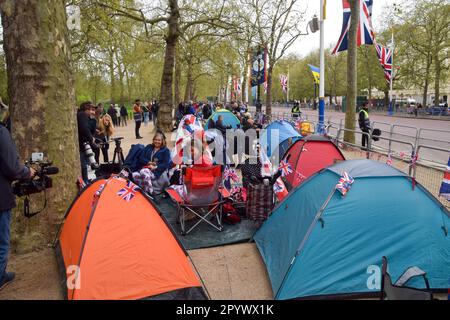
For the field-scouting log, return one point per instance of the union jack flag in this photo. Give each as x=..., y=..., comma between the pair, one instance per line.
x=128, y=192
x=230, y=174
x=345, y=183
x=285, y=168
x=284, y=82
x=445, y=186
x=237, y=86
x=279, y=186
x=385, y=57
x=365, y=33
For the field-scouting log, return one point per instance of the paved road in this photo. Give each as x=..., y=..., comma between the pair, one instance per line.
x=432, y=132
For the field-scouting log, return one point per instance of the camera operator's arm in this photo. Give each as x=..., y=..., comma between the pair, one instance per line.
x=9, y=160
x=83, y=128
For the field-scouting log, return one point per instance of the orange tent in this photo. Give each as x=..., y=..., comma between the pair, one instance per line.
x=115, y=245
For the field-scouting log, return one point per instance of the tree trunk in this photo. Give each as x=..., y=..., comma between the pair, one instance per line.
x=269, y=91
x=437, y=79
x=427, y=80
x=177, y=79
x=386, y=98
x=351, y=73
x=166, y=103
x=189, y=83
x=121, y=84
x=42, y=100
x=127, y=78
x=111, y=76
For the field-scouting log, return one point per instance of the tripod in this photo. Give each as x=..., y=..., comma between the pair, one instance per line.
x=118, y=153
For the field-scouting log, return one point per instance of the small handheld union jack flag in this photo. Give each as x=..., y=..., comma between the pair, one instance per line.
x=345, y=183
x=444, y=191
x=389, y=160
x=230, y=174
x=279, y=186
x=127, y=193
x=285, y=168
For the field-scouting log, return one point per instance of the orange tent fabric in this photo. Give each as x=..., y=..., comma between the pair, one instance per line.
x=122, y=246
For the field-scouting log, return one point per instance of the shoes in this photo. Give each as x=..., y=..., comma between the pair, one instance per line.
x=139, y=137
x=8, y=277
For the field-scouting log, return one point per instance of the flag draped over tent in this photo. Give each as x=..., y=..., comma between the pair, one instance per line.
x=365, y=33
x=385, y=57
x=445, y=186
x=316, y=73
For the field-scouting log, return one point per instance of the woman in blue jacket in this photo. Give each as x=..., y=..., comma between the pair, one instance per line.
x=156, y=157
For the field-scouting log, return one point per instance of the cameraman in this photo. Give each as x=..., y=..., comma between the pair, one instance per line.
x=85, y=135
x=10, y=170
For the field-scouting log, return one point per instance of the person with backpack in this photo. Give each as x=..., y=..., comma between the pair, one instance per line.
x=123, y=115
x=364, y=125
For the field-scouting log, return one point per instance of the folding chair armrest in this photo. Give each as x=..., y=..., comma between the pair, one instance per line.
x=410, y=273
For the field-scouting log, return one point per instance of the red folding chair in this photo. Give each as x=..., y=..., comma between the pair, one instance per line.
x=203, y=198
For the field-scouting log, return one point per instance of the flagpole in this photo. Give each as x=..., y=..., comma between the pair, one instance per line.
x=391, y=107
x=322, y=68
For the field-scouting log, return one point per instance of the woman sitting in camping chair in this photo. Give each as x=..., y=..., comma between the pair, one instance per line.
x=153, y=164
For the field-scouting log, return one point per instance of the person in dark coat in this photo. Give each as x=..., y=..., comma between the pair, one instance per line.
x=10, y=170
x=123, y=115
x=220, y=126
x=364, y=124
x=113, y=114
x=85, y=135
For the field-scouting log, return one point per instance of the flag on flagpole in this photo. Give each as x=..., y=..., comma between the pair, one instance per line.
x=385, y=57
x=316, y=73
x=284, y=82
x=445, y=186
x=345, y=183
x=365, y=34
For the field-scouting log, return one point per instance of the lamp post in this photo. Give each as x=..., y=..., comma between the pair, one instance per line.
x=320, y=128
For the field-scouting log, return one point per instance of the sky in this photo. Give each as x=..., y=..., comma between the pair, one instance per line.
x=333, y=24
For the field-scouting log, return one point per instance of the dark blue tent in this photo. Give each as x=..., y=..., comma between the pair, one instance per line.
x=317, y=243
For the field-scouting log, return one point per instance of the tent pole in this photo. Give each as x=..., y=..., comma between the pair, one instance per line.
x=305, y=238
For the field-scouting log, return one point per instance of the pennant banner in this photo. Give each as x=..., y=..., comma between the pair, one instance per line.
x=259, y=69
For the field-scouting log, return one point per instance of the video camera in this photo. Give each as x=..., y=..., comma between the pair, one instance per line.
x=39, y=184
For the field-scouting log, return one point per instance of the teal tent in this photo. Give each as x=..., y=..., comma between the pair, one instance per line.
x=318, y=244
x=229, y=119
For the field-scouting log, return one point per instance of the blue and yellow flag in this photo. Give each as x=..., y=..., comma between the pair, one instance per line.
x=316, y=73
